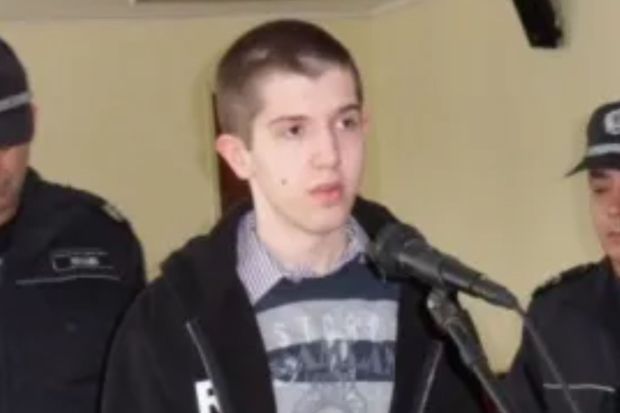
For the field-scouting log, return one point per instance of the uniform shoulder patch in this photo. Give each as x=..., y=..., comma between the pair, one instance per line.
x=66, y=194
x=564, y=278
x=113, y=212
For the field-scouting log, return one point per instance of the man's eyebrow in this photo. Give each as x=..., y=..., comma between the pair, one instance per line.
x=287, y=118
x=349, y=108
x=299, y=118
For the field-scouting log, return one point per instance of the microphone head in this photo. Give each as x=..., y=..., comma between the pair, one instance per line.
x=401, y=252
x=390, y=240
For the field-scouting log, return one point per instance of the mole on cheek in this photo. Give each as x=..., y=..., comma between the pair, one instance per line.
x=283, y=182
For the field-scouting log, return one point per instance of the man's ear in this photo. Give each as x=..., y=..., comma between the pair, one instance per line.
x=235, y=152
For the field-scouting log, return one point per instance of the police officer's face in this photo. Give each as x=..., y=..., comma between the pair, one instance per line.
x=13, y=167
x=605, y=208
x=305, y=161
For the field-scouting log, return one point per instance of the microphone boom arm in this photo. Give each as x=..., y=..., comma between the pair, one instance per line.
x=455, y=321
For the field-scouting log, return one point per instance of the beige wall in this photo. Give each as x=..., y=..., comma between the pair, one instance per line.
x=473, y=129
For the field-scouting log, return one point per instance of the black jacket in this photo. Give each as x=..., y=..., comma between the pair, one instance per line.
x=68, y=273
x=196, y=321
x=577, y=314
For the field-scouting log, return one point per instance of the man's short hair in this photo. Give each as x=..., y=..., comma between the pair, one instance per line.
x=289, y=46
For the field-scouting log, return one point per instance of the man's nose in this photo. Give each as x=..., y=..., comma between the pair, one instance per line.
x=327, y=150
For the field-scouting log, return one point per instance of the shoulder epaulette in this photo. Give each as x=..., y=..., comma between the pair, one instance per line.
x=564, y=278
x=99, y=203
x=113, y=212
x=61, y=195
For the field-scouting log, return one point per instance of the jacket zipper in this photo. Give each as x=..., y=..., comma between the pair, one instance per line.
x=205, y=354
x=196, y=341
x=429, y=372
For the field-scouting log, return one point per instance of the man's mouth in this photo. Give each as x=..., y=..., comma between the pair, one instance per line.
x=328, y=193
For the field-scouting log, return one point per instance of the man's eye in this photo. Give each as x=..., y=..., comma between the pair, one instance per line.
x=349, y=122
x=293, y=131
x=599, y=189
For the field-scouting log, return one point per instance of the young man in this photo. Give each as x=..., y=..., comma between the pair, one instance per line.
x=69, y=267
x=577, y=312
x=275, y=309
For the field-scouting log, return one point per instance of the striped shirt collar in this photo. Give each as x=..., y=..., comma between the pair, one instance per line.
x=259, y=269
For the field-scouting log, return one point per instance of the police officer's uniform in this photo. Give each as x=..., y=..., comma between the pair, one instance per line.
x=70, y=266
x=578, y=315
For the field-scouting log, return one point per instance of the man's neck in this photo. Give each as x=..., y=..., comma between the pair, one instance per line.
x=295, y=247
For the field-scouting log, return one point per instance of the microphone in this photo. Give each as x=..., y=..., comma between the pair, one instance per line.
x=400, y=251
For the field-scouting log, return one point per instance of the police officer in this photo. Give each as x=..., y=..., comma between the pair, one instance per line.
x=578, y=312
x=69, y=266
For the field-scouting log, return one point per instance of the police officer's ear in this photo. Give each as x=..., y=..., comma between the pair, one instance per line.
x=234, y=151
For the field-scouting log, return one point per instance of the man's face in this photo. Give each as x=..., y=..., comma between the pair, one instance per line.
x=305, y=162
x=605, y=208
x=13, y=167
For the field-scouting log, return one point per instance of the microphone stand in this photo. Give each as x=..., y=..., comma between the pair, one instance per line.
x=451, y=318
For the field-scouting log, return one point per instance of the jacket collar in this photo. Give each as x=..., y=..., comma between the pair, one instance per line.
x=593, y=292
x=216, y=253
